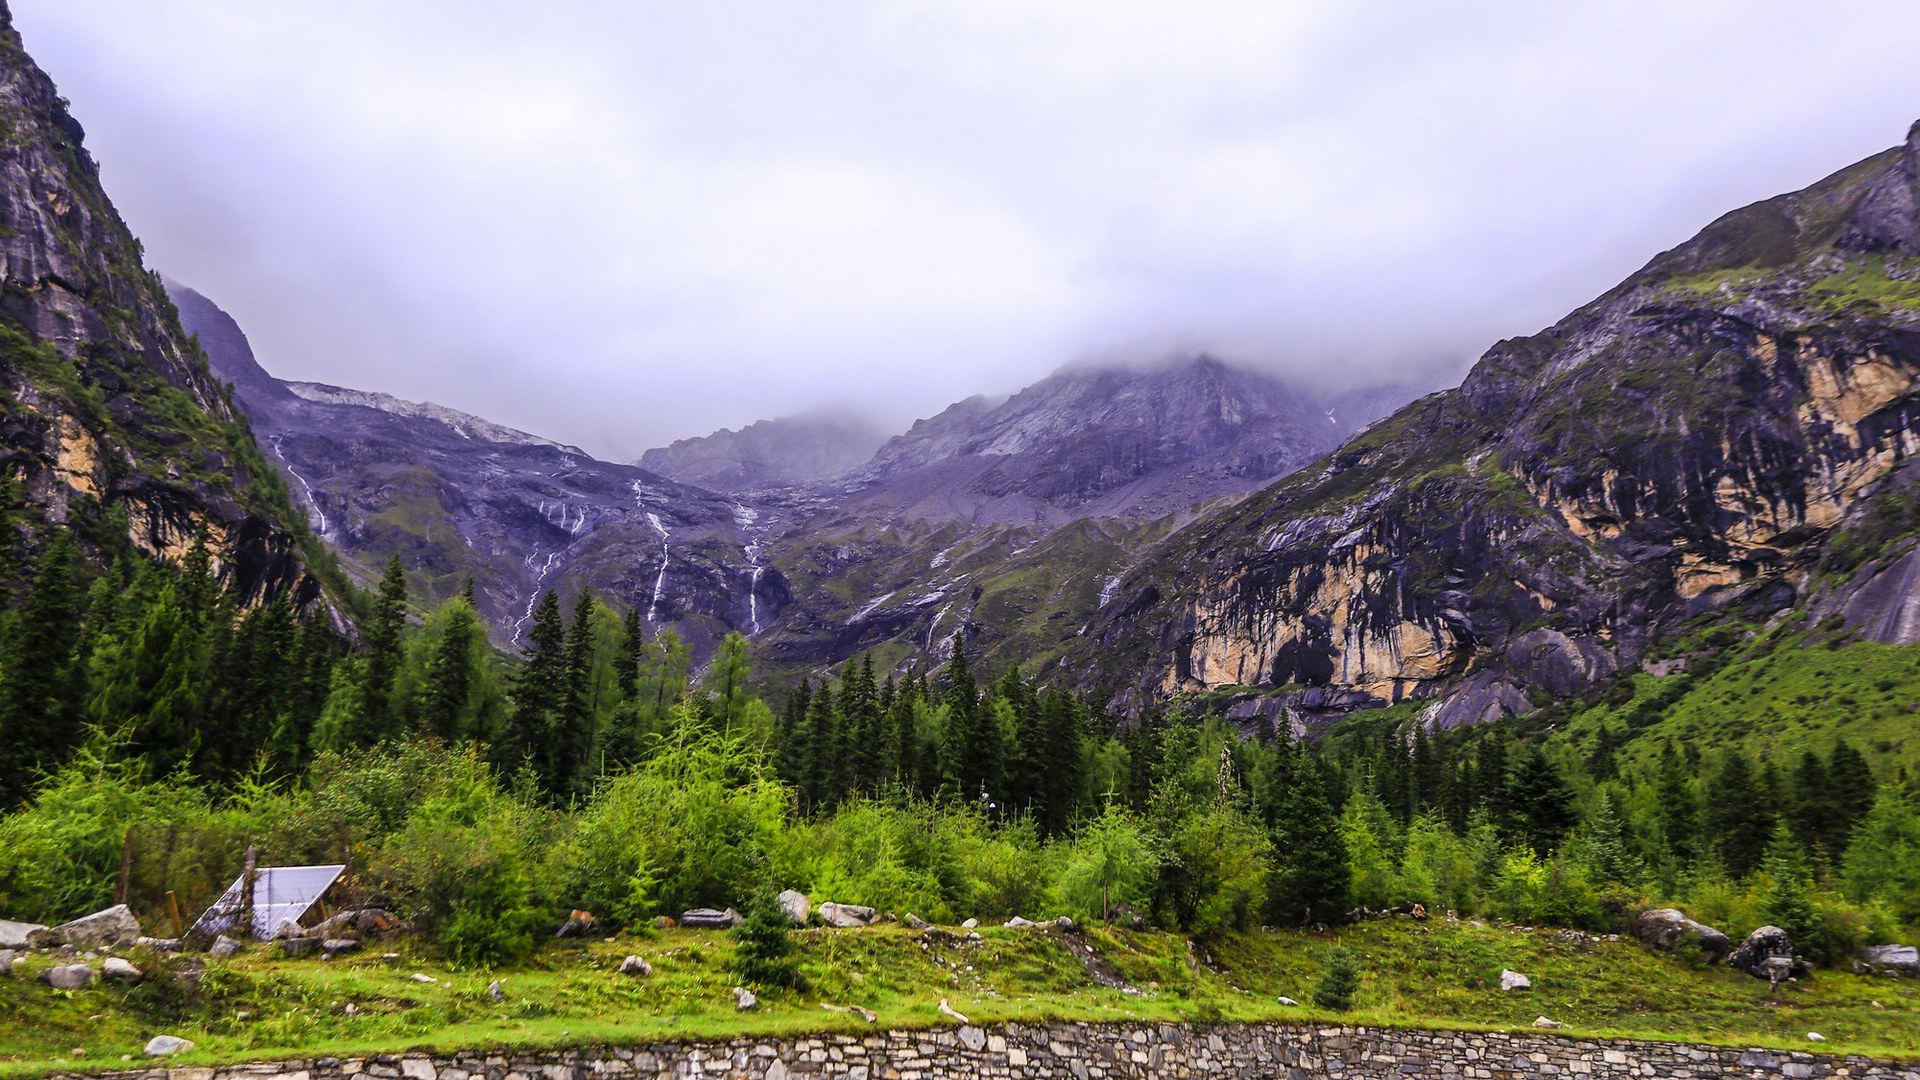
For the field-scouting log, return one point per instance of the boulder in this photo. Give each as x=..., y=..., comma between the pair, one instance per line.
x=223, y=947
x=915, y=922
x=1016, y=923
x=845, y=916
x=635, y=966
x=1287, y=1001
x=111, y=926
x=68, y=977
x=1892, y=959
x=167, y=1046
x=360, y=922
x=1669, y=929
x=970, y=924
x=298, y=946
x=1814, y=1036
x=795, y=904
x=13, y=935
x=1513, y=980
x=338, y=945
x=1766, y=954
x=703, y=918
x=120, y=970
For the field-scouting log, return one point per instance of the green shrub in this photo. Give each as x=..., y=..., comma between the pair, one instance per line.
x=1338, y=982
x=763, y=952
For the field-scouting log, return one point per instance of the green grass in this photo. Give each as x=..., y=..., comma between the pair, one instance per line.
x=1774, y=697
x=1432, y=974
x=1865, y=286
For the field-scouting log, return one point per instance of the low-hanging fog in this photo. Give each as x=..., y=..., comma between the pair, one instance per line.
x=617, y=224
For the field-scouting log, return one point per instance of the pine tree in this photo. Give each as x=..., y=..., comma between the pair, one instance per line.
x=1059, y=758
x=1788, y=904
x=39, y=689
x=727, y=680
x=1851, y=788
x=383, y=647
x=763, y=950
x=538, y=695
x=1539, y=801
x=633, y=645
x=822, y=749
x=1314, y=878
x=451, y=673
x=1740, y=814
x=1338, y=981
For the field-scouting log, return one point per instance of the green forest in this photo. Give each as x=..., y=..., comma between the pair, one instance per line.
x=153, y=730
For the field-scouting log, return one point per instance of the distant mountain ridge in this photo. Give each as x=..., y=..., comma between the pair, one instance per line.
x=784, y=452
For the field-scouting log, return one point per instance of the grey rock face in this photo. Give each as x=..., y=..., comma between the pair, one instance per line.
x=1893, y=959
x=709, y=919
x=13, y=935
x=845, y=916
x=111, y=926
x=1670, y=928
x=771, y=453
x=796, y=905
x=68, y=976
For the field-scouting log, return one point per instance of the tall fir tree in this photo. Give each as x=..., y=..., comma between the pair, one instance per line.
x=382, y=638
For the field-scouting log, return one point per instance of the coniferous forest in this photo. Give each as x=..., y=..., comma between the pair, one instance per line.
x=155, y=729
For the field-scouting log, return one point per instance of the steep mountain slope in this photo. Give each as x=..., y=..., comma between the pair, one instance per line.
x=1715, y=433
x=106, y=404
x=457, y=496
x=789, y=451
x=1104, y=442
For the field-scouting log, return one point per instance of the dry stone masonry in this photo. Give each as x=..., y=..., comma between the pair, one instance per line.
x=1094, y=1052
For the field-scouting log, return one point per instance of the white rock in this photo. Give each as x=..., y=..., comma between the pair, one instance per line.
x=1814, y=1036
x=1287, y=1001
x=1016, y=923
x=68, y=977
x=845, y=916
x=13, y=935
x=796, y=905
x=970, y=924
x=1513, y=980
x=419, y=978
x=1543, y=1022
x=167, y=1045
x=946, y=1010
x=116, y=968
x=634, y=965
x=743, y=999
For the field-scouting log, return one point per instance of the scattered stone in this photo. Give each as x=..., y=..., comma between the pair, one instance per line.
x=946, y=1010
x=1892, y=959
x=1877, y=1005
x=68, y=977
x=1543, y=1022
x=360, y=922
x=121, y=970
x=495, y=993
x=1063, y=923
x=915, y=922
x=635, y=966
x=13, y=935
x=845, y=916
x=159, y=944
x=1287, y=1001
x=743, y=999
x=1766, y=954
x=1513, y=980
x=298, y=946
x=1669, y=928
x=970, y=924
x=795, y=904
x=865, y=1014
x=110, y=926
x=167, y=1046
x=223, y=947
x=577, y=925
x=709, y=919
x=337, y=946
x=420, y=978
x=1814, y=1036
x=1016, y=923
x=973, y=935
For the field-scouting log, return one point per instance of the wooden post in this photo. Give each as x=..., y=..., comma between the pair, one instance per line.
x=247, y=876
x=173, y=908
x=126, y=868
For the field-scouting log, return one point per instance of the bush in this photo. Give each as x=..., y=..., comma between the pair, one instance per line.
x=763, y=953
x=1339, y=981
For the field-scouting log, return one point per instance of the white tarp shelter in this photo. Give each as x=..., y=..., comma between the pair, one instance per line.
x=280, y=893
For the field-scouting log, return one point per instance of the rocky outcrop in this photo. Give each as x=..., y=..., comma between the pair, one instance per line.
x=1691, y=440
x=107, y=401
x=1669, y=929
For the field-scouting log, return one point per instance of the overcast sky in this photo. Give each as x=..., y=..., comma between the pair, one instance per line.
x=618, y=223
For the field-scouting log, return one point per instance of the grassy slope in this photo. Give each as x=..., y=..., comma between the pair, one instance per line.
x=1424, y=974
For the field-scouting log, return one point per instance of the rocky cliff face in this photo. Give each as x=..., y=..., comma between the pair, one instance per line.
x=457, y=496
x=107, y=403
x=788, y=452
x=1133, y=444
x=1694, y=439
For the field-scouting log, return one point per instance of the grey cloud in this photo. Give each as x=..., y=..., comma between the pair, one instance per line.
x=617, y=224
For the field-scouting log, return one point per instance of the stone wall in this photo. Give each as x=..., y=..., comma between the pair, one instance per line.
x=1089, y=1052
